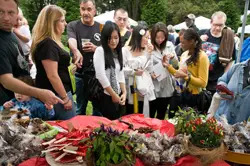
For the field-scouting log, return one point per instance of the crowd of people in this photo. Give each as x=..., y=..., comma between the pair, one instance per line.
x=120, y=70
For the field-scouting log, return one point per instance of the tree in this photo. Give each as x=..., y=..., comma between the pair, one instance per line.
x=231, y=8
x=248, y=20
x=71, y=7
x=199, y=8
x=153, y=11
x=31, y=9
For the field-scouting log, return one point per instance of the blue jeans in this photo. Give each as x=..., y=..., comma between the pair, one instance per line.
x=80, y=98
x=61, y=113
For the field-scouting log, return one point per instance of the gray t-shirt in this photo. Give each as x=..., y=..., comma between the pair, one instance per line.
x=78, y=31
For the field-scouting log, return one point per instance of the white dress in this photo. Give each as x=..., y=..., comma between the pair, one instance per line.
x=131, y=63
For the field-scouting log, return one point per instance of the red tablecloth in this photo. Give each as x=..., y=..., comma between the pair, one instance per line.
x=184, y=161
x=138, y=120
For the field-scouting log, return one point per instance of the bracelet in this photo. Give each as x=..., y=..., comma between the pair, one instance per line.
x=66, y=101
x=64, y=97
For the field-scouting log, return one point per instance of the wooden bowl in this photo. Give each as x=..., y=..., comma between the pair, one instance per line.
x=238, y=158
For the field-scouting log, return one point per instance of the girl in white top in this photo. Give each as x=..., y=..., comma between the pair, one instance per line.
x=23, y=34
x=108, y=63
x=138, y=66
x=163, y=85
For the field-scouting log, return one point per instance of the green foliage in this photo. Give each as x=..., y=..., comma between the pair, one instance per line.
x=153, y=11
x=177, y=10
x=205, y=134
x=248, y=20
x=72, y=9
x=110, y=146
x=31, y=9
x=182, y=117
x=230, y=7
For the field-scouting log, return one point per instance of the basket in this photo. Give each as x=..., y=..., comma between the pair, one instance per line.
x=206, y=156
x=238, y=158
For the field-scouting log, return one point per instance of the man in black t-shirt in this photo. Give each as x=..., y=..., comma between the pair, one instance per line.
x=83, y=38
x=211, y=45
x=12, y=62
x=121, y=19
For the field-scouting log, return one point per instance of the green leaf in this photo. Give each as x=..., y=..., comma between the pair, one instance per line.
x=95, y=145
x=118, y=150
x=115, y=158
x=120, y=144
x=108, y=157
x=103, y=163
x=112, y=146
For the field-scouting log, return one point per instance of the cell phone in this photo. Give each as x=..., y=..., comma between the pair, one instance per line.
x=226, y=96
x=132, y=89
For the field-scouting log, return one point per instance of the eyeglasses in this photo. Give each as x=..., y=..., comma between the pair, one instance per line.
x=219, y=25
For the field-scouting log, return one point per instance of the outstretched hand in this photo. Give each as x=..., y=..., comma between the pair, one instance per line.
x=78, y=59
x=49, y=98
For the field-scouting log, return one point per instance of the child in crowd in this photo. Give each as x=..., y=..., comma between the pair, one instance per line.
x=32, y=107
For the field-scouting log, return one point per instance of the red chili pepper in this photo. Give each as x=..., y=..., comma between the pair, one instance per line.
x=202, y=141
x=198, y=121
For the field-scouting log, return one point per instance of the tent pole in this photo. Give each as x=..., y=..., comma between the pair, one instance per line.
x=243, y=29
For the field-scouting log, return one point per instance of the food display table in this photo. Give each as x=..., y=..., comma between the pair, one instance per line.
x=138, y=120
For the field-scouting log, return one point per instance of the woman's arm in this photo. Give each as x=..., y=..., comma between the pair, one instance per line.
x=99, y=65
x=168, y=66
x=202, y=78
x=121, y=80
x=127, y=68
x=51, y=68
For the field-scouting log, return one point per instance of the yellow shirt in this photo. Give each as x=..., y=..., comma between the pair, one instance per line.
x=199, y=72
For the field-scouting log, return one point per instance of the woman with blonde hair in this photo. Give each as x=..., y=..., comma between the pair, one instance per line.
x=51, y=59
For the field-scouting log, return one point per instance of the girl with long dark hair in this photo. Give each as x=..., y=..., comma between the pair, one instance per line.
x=138, y=66
x=163, y=85
x=108, y=63
x=196, y=76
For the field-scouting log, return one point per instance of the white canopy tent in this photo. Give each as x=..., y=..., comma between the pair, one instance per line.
x=201, y=23
x=108, y=16
x=247, y=29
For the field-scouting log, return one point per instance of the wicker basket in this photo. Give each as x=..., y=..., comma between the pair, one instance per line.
x=206, y=156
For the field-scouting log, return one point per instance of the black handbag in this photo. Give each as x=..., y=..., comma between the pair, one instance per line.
x=95, y=89
x=204, y=101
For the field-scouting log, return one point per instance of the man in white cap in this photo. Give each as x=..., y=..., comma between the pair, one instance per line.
x=190, y=21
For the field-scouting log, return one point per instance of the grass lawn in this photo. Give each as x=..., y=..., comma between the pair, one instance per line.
x=89, y=109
